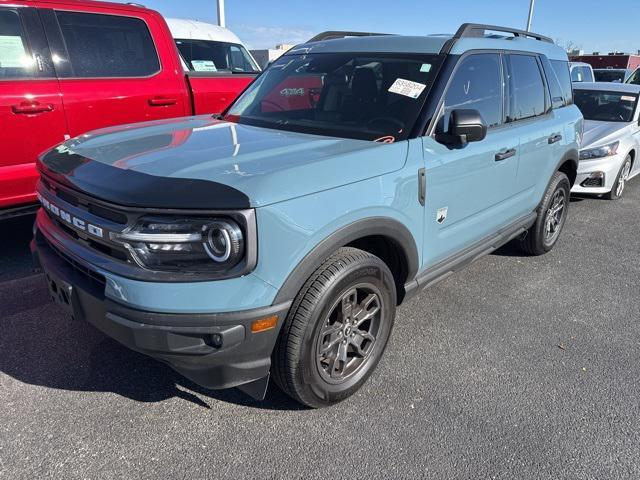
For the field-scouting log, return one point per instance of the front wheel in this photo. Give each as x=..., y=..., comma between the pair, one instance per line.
x=621, y=180
x=337, y=329
x=552, y=214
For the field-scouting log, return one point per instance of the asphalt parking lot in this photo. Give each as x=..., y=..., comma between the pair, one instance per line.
x=516, y=368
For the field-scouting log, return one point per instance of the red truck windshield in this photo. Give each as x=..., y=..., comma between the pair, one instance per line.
x=354, y=95
x=211, y=56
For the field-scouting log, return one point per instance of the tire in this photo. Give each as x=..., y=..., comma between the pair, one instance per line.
x=542, y=236
x=621, y=180
x=350, y=280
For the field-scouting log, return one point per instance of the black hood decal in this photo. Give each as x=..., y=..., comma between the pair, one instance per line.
x=135, y=189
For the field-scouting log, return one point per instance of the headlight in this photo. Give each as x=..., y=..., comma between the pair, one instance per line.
x=189, y=245
x=600, y=152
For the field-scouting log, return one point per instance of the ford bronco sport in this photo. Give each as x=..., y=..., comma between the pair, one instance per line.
x=279, y=238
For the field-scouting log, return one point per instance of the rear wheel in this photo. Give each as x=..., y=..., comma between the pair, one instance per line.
x=552, y=214
x=337, y=329
x=621, y=180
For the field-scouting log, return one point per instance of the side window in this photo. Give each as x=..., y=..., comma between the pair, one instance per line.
x=104, y=46
x=561, y=68
x=576, y=74
x=587, y=74
x=477, y=85
x=557, y=95
x=238, y=61
x=15, y=58
x=526, y=88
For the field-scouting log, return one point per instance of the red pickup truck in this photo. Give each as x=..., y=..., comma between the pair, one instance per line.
x=70, y=66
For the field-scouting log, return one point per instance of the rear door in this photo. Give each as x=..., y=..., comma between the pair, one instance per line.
x=114, y=67
x=539, y=127
x=31, y=111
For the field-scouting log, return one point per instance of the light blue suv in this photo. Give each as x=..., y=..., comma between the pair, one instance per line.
x=279, y=237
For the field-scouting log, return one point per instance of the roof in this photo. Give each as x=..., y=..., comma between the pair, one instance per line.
x=131, y=7
x=430, y=44
x=607, y=87
x=196, y=30
x=378, y=44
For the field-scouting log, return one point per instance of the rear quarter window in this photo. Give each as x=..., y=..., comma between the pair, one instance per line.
x=555, y=89
x=561, y=70
x=108, y=46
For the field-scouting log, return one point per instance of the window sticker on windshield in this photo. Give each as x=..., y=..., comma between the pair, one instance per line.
x=204, y=66
x=425, y=68
x=626, y=98
x=407, y=88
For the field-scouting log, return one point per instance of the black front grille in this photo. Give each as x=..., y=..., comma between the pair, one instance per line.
x=93, y=211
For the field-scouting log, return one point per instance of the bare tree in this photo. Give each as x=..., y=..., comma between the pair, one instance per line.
x=569, y=45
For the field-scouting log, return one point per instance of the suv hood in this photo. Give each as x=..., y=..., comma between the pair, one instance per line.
x=597, y=133
x=200, y=162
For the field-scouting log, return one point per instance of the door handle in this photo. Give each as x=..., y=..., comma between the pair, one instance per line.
x=27, y=108
x=162, y=102
x=554, y=139
x=506, y=154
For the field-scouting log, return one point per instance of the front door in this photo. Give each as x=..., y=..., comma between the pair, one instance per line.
x=31, y=111
x=114, y=69
x=470, y=190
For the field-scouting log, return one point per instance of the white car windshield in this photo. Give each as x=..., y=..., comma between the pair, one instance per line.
x=606, y=106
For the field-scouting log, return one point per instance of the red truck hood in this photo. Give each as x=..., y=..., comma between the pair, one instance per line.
x=266, y=165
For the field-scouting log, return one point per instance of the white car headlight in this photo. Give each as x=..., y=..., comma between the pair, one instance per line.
x=600, y=152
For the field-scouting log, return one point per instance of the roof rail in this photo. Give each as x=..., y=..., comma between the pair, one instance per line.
x=479, y=30
x=332, y=34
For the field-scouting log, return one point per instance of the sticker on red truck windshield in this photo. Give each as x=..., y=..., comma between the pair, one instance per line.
x=407, y=88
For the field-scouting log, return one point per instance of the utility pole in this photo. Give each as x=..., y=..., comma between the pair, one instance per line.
x=221, y=21
x=530, y=19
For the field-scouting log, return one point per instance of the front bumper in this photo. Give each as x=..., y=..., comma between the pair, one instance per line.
x=609, y=166
x=217, y=350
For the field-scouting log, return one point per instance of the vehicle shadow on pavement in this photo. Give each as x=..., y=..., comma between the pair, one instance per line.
x=40, y=345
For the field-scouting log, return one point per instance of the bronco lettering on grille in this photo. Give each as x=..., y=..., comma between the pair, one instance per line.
x=72, y=220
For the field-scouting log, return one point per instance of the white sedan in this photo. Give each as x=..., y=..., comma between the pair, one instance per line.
x=611, y=142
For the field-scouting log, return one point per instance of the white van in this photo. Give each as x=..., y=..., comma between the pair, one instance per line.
x=205, y=47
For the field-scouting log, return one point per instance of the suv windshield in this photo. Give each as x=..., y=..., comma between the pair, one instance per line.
x=210, y=56
x=615, y=76
x=606, y=106
x=353, y=95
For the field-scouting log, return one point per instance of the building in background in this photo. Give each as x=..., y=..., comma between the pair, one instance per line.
x=612, y=60
x=266, y=56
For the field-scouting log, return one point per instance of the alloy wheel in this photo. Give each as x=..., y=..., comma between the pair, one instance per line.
x=348, y=334
x=554, y=217
x=624, y=176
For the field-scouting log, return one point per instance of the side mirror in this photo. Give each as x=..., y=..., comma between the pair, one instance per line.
x=464, y=126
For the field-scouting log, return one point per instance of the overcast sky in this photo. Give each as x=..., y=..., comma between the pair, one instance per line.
x=590, y=24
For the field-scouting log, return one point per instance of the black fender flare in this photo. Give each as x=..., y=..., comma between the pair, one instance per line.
x=570, y=156
x=386, y=227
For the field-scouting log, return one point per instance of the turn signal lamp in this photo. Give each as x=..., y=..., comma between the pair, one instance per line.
x=264, y=324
